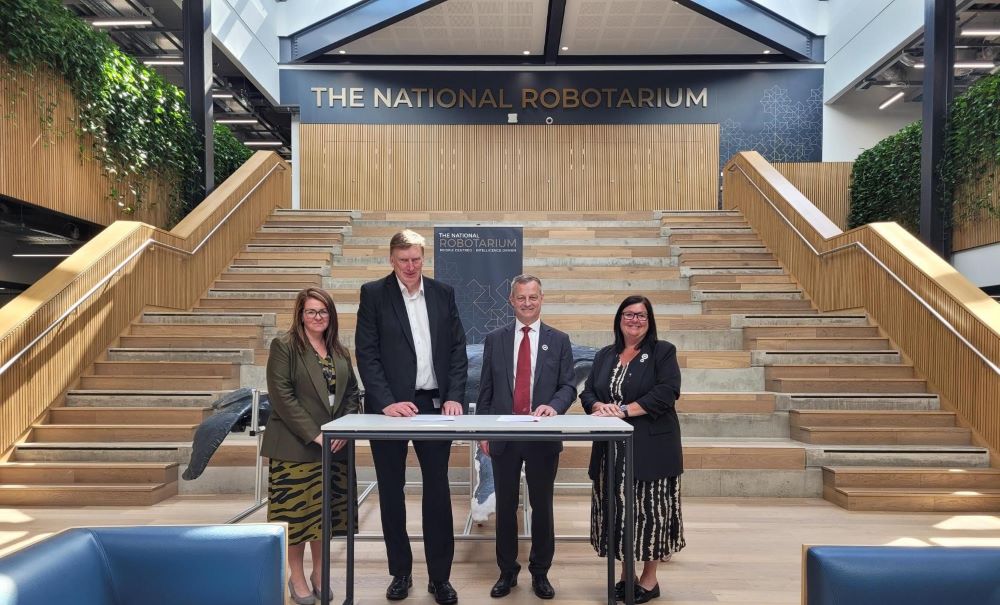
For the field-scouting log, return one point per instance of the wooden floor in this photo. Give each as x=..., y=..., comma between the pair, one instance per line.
x=744, y=551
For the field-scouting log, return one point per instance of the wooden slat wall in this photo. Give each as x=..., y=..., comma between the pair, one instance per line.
x=44, y=166
x=985, y=229
x=825, y=184
x=509, y=168
x=849, y=278
x=156, y=277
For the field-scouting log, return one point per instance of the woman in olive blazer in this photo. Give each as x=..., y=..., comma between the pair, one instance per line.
x=309, y=382
x=638, y=380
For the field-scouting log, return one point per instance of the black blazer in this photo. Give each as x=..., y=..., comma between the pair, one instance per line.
x=655, y=384
x=383, y=344
x=554, y=384
x=300, y=401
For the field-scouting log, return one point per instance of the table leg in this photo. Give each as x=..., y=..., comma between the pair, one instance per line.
x=609, y=516
x=325, y=527
x=628, y=554
x=352, y=510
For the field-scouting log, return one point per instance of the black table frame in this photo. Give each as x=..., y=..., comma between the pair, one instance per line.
x=609, y=437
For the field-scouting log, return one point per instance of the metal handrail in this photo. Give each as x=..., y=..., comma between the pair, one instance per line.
x=111, y=274
x=989, y=363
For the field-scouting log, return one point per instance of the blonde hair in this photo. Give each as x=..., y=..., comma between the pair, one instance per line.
x=406, y=238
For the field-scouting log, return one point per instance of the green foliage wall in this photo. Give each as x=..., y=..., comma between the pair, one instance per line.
x=230, y=153
x=886, y=178
x=139, y=123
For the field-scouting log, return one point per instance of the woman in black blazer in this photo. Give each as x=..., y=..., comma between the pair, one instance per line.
x=638, y=379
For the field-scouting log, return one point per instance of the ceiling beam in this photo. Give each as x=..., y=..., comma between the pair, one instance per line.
x=762, y=25
x=553, y=32
x=348, y=25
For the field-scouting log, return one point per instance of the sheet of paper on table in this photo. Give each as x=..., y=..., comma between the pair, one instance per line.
x=517, y=418
x=432, y=418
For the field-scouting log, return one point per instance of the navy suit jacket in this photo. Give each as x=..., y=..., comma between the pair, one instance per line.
x=554, y=382
x=383, y=344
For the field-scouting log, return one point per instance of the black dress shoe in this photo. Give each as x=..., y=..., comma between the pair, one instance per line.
x=504, y=584
x=642, y=595
x=620, y=589
x=399, y=588
x=444, y=593
x=543, y=589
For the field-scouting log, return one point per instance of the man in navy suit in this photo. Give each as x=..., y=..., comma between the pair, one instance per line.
x=527, y=369
x=410, y=346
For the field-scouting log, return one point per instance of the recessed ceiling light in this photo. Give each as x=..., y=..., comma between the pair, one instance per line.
x=222, y=95
x=973, y=32
x=966, y=65
x=525, y=52
x=236, y=120
x=343, y=52
x=899, y=95
x=154, y=62
x=121, y=23
x=767, y=52
x=565, y=48
x=263, y=143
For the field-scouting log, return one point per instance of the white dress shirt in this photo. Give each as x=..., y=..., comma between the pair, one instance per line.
x=416, y=311
x=533, y=340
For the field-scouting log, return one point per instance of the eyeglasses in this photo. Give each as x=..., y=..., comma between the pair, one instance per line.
x=313, y=314
x=634, y=316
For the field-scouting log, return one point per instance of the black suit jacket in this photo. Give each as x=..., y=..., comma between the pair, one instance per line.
x=554, y=384
x=655, y=384
x=383, y=344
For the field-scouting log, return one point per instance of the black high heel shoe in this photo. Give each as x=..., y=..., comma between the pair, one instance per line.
x=642, y=595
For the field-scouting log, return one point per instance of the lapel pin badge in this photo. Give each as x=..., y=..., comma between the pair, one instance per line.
x=644, y=357
x=545, y=347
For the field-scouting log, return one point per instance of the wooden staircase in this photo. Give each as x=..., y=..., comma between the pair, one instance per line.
x=779, y=399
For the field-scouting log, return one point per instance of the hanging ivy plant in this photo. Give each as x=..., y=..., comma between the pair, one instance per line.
x=139, y=123
x=230, y=153
x=886, y=178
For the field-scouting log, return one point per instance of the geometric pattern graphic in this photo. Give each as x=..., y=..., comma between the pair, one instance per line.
x=483, y=307
x=789, y=131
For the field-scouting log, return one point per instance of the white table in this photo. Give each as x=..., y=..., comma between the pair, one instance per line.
x=554, y=428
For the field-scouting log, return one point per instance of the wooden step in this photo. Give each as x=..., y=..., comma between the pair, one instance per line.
x=264, y=285
x=730, y=263
x=846, y=385
x=718, y=360
x=867, y=371
x=751, y=333
x=190, y=342
x=97, y=433
x=721, y=403
x=128, y=415
x=871, y=418
x=733, y=286
x=284, y=257
x=881, y=435
x=166, y=368
x=195, y=329
x=158, y=383
x=904, y=477
x=87, y=494
x=88, y=472
x=270, y=277
x=828, y=343
x=755, y=306
x=906, y=499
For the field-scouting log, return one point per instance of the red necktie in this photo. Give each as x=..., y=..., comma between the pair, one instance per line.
x=522, y=378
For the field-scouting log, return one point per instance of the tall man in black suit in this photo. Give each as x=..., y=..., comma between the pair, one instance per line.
x=527, y=369
x=410, y=347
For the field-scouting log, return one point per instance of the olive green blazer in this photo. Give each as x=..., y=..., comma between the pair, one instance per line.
x=300, y=401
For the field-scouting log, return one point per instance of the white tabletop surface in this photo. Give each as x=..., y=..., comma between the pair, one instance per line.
x=574, y=423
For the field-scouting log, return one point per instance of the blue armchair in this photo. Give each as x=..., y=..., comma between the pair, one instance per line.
x=896, y=575
x=152, y=565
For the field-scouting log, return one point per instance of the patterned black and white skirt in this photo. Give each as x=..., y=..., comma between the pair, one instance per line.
x=295, y=491
x=659, y=527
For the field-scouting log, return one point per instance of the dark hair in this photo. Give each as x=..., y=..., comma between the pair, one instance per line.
x=330, y=335
x=650, y=338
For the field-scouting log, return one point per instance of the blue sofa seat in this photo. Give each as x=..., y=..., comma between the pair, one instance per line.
x=895, y=575
x=152, y=565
